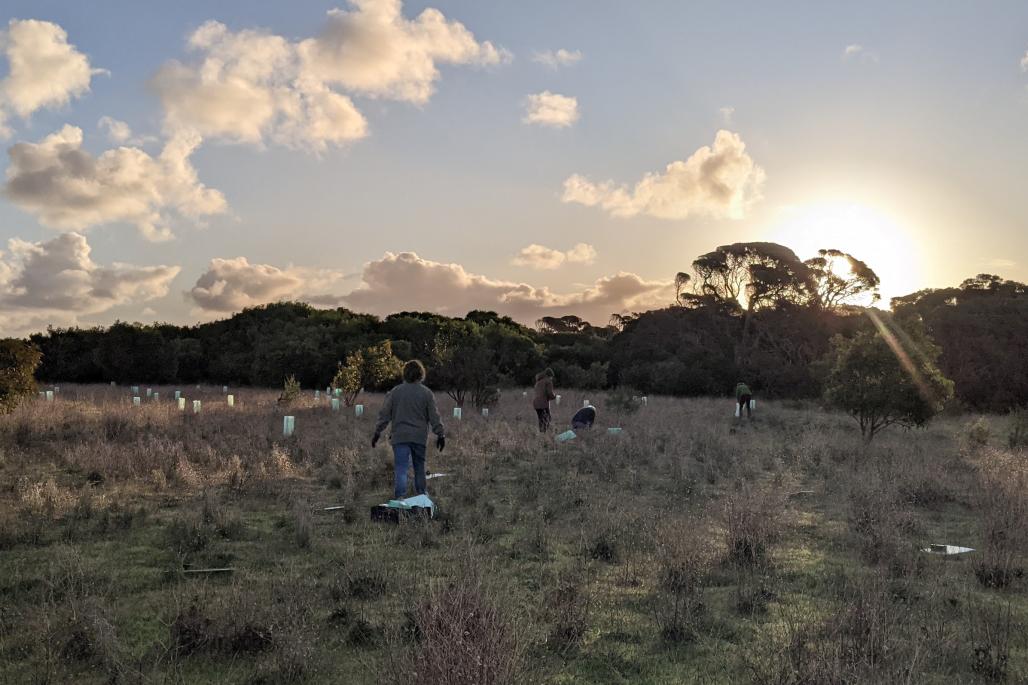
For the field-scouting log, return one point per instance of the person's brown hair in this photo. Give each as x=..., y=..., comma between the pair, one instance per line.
x=413, y=371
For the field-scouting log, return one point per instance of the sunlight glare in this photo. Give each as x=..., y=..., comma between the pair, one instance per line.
x=867, y=233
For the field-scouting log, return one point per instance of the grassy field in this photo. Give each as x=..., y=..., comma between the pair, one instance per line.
x=690, y=548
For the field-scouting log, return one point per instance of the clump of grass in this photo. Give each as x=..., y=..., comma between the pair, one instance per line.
x=569, y=608
x=367, y=584
x=303, y=524
x=752, y=523
x=604, y=547
x=877, y=518
x=194, y=631
x=1017, y=438
x=465, y=637
x=265, y=621
x=867, y=637
x=992, y=634
x=753, y=593
x=88, y=636
x=1002, y=503
x=872, y=632
x=116, y=426
x=623, y=401
x=677, y=599
x=44, y=498
x=194, y=534
x=363, y=633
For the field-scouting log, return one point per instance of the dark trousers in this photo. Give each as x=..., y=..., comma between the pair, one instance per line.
x=544, y=419
x=744, y=401
x=403, y=454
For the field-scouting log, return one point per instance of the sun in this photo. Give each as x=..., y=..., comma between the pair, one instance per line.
x=868, y=233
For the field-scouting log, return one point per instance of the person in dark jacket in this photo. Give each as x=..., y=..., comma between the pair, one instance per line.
x=743, y=397
x=410, y=407
x=584, y=418
x=542, y=397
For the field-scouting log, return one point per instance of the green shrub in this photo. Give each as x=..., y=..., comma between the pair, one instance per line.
x=290, y=391
x=623, y=400
x=18, y=362
x=887, y=376
x=976, y=434
x=1018, y=436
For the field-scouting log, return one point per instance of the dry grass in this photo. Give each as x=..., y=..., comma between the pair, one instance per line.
x=692, y=547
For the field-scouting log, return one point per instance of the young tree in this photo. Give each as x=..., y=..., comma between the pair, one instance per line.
x=886, y=375
x=18, y=362
x=369, y=367
x=464, y=362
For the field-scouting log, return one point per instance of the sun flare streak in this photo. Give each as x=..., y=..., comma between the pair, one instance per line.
x=902, y=355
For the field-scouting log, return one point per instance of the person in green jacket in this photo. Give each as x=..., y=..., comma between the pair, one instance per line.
x=743, y=397
x=411, y=408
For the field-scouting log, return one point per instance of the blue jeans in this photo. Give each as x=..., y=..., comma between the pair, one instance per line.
x=403, y=452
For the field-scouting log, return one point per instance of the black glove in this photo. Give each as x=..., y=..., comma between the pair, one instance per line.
x=374, y=439
x=440, y=443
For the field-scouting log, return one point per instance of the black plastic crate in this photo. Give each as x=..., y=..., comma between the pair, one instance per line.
x=393, y=515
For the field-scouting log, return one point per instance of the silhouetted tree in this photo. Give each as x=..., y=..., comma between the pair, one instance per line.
x=133, y=352
x=841, y=278
x=982, y=327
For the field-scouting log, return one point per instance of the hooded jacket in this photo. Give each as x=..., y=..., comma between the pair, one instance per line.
x=543, y=391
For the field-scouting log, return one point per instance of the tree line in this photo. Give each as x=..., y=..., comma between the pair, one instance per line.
x=751, y=311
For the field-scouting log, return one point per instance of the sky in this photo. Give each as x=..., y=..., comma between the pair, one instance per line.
x=180, y=161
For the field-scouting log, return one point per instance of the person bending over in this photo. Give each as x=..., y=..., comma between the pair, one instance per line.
x=584, y=418
x=543, y=395
x=410, y=407
x=743, y=397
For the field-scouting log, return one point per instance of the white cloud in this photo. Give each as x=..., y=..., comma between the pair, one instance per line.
x=45, y=71
x=117, y=131
x=582, y=253
x=726, y=114
x=374, y=50
x=67, y=188
x=229, y=285
x=405, y=281
x=857, y=52
x=1024, y=61
x=247, y=87
x=559, y=58
x=56, y=281
x=120, y=133
x=252, y=86
x=718, y=181
x=550, y=109
x=541, y=257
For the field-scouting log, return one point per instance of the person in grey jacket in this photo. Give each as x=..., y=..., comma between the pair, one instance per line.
x=411, y=408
